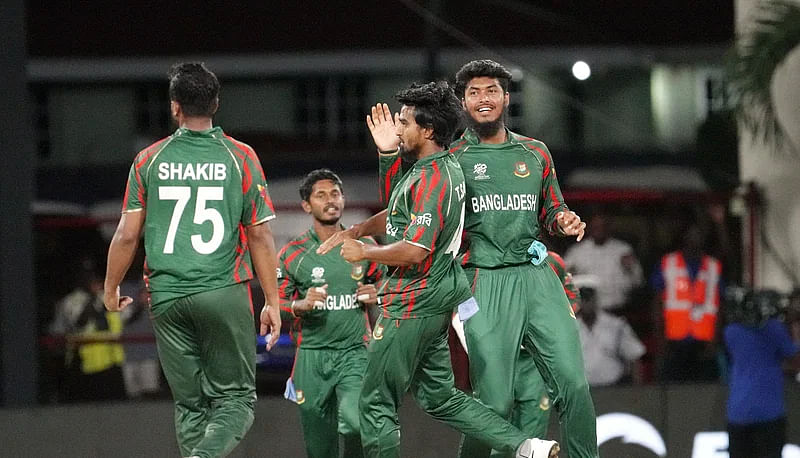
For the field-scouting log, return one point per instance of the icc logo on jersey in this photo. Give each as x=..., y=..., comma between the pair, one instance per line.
x=480, y=171
x=317, y=274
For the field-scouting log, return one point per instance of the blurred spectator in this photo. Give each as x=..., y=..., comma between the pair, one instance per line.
x=93, y=360
x=142, y=370
x=611, y=350
x=757, y=344
x=688, y=284
x=612, y=261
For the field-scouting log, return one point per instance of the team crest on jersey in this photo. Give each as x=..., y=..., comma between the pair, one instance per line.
x=262, y=191
x=300, y=397
x=377, y=333
x=479, y=171
x=544, y=403
x=357, y=272
x=317, y=274
x=521, y=169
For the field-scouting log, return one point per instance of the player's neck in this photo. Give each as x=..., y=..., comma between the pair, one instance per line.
x=428, y=149
x=325, y=231
x=496, y=138
x=196, y=123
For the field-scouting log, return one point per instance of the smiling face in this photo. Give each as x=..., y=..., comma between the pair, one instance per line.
x=485, y=102
x=325, y=203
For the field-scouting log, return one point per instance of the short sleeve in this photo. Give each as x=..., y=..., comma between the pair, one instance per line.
x=135, y=191
x=258, y=206
x=429, y=197
x=287, y=288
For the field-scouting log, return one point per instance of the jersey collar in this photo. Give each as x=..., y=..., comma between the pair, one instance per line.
x=472, y=138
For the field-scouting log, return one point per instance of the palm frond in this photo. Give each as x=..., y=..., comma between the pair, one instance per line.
x=752, y=63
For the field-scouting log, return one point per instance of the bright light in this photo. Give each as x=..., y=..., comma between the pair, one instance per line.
x=581, y=70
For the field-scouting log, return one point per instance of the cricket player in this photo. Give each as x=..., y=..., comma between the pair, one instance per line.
x=423, y=225
x=324, y=297
x=200, y=199
x=512, y=195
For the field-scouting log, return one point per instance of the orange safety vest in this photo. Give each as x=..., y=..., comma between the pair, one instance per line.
x=690, y=307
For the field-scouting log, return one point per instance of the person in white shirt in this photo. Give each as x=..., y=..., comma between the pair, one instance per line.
x=611, y=350
x=612, y=261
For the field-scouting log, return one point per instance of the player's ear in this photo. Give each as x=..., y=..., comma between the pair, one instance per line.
x=428, y=133
x=175, y=108
x=463, y=103
x=506, y=99
x=306, y=206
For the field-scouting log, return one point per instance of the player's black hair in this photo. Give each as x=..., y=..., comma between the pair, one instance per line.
x=314, y=176
x=195, y=88
x=479, y=68
x=436, y=107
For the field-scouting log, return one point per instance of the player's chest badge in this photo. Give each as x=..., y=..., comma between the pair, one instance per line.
x=377, y=333
x=317, y=275
x=300, y=397
x=521, y=169
x=544, y=403
x=357, y=272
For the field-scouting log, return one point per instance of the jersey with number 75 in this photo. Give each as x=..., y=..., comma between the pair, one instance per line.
x=200, y=190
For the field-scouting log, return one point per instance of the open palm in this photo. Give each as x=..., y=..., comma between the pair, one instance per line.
x=382, y=127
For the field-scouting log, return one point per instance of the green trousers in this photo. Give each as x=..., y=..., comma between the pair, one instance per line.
x=531, y=411
x=526, y=305
x=413, y=355
x=327, y=384
x=206, y=344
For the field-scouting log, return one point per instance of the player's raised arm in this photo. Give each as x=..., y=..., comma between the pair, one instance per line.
x=381, y=125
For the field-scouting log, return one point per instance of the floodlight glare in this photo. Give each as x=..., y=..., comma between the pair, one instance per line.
x=581, y=70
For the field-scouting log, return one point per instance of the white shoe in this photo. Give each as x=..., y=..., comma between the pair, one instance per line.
x=537, y=448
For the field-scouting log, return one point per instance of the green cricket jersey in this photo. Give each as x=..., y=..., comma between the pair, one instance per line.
x=342, y=321
x=426, y=209
x=512, y=192
x=200, y=190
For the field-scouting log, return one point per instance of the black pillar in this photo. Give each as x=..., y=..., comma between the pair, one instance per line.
x=432, y=44
x=19, y=363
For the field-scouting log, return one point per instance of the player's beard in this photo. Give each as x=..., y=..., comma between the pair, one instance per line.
x=487, y=128
x=407, y=155
x=327, y=220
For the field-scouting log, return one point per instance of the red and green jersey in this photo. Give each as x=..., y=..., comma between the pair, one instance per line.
x=512, y=194
x=200, y=190
x=426, y=209
x=341, y=322
x=558, y=265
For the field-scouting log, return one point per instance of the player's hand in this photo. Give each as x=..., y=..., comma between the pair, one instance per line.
x=382, y=127
x=337, y=239
x=270, y=324
x=113, y=301
x=367, y=294
x=315, y=296
x=570, y=224
x=353, y=250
